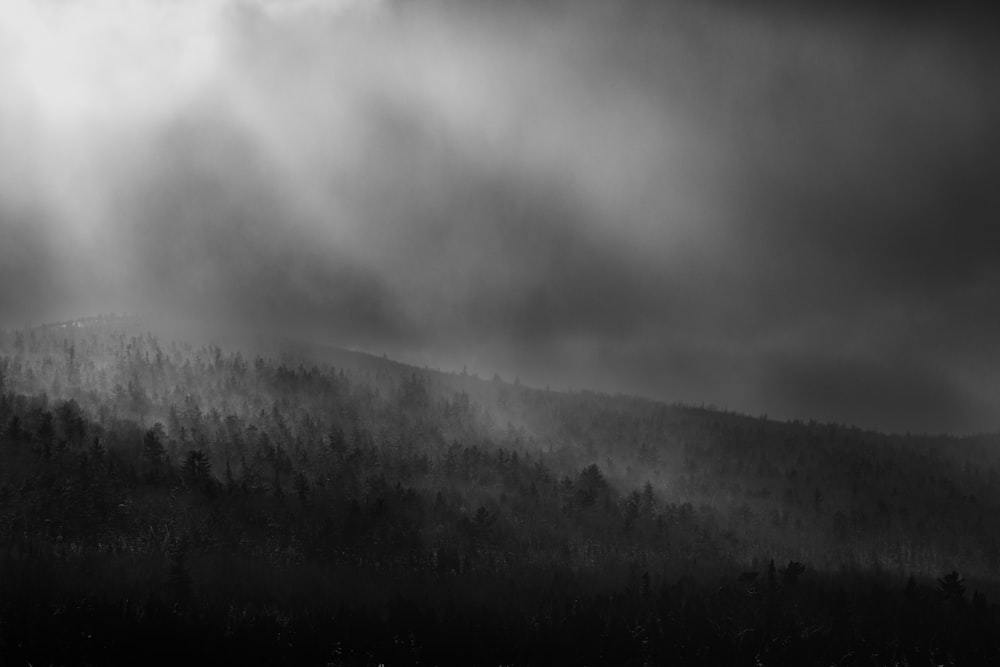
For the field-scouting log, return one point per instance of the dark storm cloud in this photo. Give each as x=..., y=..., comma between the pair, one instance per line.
x=875, y=390
x=766, y=207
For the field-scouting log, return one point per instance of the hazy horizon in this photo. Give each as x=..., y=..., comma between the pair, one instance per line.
x=774, y=208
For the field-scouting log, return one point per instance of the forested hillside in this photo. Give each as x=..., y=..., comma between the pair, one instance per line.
x=165, y=500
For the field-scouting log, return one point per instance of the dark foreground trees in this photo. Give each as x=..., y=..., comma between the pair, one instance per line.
x=476, y=621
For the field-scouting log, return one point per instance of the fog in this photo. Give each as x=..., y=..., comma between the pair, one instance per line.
x=772, y=208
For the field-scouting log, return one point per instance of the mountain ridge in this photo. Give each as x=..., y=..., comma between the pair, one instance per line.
x=311, y=352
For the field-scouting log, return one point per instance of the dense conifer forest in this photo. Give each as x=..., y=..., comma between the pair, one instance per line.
x=163, y=501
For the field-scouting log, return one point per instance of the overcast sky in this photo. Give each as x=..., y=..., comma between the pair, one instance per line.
x=780, y=208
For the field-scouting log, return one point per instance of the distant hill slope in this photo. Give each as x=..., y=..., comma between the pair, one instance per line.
x=816, y=492
x=189, y=466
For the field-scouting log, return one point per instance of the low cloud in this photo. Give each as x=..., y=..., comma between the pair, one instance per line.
x=777, y=210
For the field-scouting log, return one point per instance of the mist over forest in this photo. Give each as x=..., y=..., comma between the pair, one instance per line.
x=558, y=332
x=165, y=501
